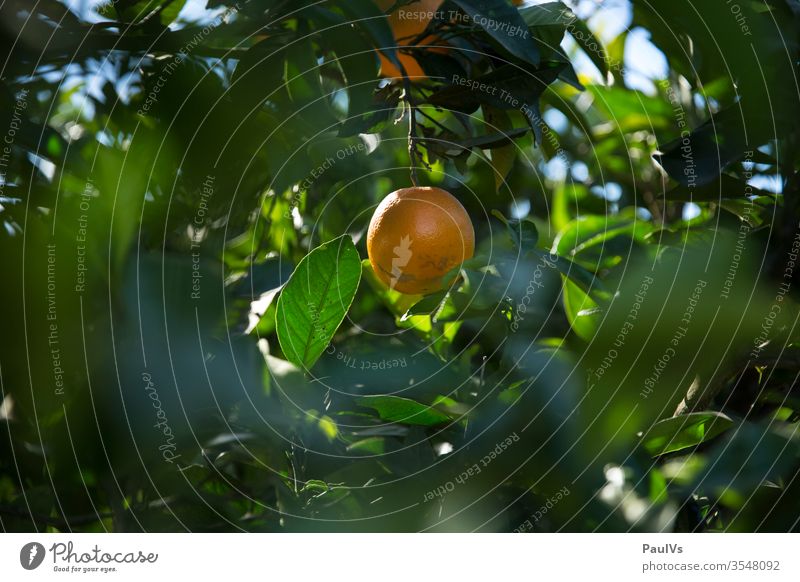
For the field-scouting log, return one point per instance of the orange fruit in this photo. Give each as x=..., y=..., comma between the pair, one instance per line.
x=407, y=23
x=416, y=236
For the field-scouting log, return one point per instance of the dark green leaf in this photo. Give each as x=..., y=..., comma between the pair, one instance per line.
x=700, y=157
x=547, y=14
x=522, y=231
x=504, y=24
x=726, y=186
x=507, y=87
x=366, y=15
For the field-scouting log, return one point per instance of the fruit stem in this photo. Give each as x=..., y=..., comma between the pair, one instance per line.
x=413, y=153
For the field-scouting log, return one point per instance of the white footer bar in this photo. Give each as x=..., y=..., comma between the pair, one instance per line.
x=401, y=558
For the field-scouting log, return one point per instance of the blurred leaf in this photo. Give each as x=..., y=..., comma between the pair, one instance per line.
x=522, y=231
x=369, y=446
x=404, y=410
x=632, y=110
x=701, y=156
x=368, y=16
x=589, y=43
x=502, y=157
x=598, y=242
x=749, y=457
x=581, y=310
x=584, y=279
x=681, y=432
x=726, y=186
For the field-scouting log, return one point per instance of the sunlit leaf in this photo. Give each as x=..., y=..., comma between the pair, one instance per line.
x=316, y=299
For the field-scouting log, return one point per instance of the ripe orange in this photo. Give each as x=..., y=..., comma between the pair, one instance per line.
x=416, y=236
x=407, y=23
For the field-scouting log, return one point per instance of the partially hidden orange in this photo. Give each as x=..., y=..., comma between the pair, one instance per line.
x=416, y=236
x=407, y=23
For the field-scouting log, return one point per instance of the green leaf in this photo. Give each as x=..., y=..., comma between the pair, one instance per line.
x=746, y=458
x=598, y=242
x=403, y=410
x=315, y=300
x=368, y=446
x=486, y=142
x=682, y=432
x=522, y=231
x=428, y=305
x=726, y=186
x=366, y=107
x=582, y=311
x=301, y=74
x=303, y=85
x=133, y=11
x=633, y=110
x=588, y=42
x=504, y=24
x=438, y=66
x=700, y=157
x=582, y=277
x=171, y=12
x=547, y=14
x=506, y=87
x=367, y=15
x=502, y=157
x=370, y=120
x=502, y=162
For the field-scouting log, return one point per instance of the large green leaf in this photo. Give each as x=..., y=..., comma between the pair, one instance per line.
x=556, y=13
x=404, y=410
x=316, y=299
x=682, y=432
